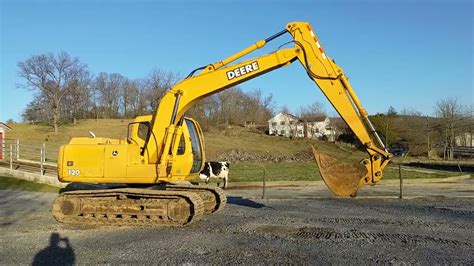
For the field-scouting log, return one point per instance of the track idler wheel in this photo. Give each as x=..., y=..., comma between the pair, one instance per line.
x=64, y=207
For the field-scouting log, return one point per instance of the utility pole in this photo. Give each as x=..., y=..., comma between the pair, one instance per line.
x=445, y=144
x=453, y=139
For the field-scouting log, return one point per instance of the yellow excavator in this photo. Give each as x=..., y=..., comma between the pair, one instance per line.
x=139, y=180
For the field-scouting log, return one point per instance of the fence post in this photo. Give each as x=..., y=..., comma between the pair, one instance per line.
x=41, y=159
x=11, y=156
x=264, y=185
x=459, y=167
x=401, y=181
x=44, y=152
x=17, y=150
x=2, y=148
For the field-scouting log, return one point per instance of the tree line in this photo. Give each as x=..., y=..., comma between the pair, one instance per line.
x=425, y=135
x=66, y=90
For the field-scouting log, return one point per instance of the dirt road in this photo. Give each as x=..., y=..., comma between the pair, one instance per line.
x=426, y=230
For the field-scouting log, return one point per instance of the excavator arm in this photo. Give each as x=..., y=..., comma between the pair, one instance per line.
x=343, y=180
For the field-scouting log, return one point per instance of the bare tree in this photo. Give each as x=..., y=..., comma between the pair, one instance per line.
x=37, y=110
x=142, y=100
x=449, y=110
x=315, y=109
x=109, y=88
x=410, y=112
x=52, y=76
x=77, y=100
x=67, y=92
x=411, y=130
x=233, y=107
x=259, y=108
x=312, y=112
x=130, y=98
x=158, y=82
x=284, y=109
x=227, y=102
x=206, y=111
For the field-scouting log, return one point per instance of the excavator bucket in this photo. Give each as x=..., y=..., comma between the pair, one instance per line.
x=341, y=178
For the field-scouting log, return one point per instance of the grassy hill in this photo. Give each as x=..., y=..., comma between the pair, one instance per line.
x=217, y=143
x=113, y=128
x=250, y=152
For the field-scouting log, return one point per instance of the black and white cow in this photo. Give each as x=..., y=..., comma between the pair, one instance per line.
x=218, y=170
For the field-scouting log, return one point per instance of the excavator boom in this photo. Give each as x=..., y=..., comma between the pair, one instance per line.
x=328, y=76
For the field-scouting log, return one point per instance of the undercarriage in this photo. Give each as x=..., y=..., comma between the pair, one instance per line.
x=159, y=205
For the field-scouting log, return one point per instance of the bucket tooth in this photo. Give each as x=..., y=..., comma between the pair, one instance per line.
x=341, y=178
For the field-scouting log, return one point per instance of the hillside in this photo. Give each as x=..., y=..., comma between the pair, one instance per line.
x=237, y=142
x=250, y=152
x=113, y=128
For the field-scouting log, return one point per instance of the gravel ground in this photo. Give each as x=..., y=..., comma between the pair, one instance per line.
x=425, y=230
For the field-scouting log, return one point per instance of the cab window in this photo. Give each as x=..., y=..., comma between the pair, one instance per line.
x=143, y=128
x=196, y=147
x=181, y=146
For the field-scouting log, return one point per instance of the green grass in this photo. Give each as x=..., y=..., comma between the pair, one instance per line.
x=307, y=171
x=18, y=184
x=391, y=172
x=284, y=171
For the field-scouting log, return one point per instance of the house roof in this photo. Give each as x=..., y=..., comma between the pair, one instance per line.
x=308, y=119
x=290, y=115
x=5, y=126
x=286, y=114
x=315, y=118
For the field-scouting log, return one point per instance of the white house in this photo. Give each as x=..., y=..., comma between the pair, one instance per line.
x=317, y=127
x=464, y=140
x=284, y=124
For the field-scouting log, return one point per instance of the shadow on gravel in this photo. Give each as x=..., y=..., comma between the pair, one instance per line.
x=245, y=202
x=17, y=205
x=59, y=252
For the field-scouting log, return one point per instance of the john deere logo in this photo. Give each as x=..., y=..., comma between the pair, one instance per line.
x=114, y=153
x=243, y=70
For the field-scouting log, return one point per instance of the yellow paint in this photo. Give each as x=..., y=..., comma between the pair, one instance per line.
x=170, y=154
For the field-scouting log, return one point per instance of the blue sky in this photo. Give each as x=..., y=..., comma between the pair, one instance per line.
x=405, y=54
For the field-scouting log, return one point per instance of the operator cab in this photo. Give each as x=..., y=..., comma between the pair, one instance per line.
x=187, y=148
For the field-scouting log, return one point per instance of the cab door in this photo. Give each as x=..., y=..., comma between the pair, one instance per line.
x=189, y=155
x=197, y=144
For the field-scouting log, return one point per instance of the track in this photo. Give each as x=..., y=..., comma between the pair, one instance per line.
x=160, y=205
x=128, y=206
